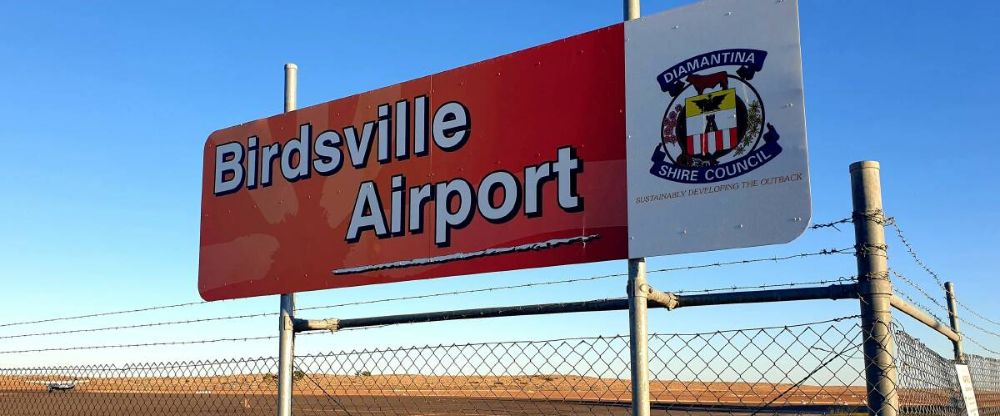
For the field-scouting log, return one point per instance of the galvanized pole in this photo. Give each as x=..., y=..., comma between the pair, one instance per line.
x=286, y=354
x=286, y=327
x=631, y=10
x=949, y=290
x=875, y=289
x=638, y=290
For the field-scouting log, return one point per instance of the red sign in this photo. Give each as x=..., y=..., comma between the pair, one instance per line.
x=510, y=163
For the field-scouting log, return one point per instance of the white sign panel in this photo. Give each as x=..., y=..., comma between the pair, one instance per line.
x=968, y=394
x=716, y=143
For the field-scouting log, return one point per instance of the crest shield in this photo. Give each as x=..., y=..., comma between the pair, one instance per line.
x=711, y=122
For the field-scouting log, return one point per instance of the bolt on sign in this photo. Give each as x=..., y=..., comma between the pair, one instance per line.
x=661, y=135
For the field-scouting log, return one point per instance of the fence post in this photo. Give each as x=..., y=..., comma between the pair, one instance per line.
x=875, y=289
x=286, y=327
x=638, y=290
x=949, y=290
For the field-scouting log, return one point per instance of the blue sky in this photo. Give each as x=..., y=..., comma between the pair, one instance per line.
x=106, y=106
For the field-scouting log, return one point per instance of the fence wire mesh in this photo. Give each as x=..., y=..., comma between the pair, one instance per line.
x=236, y=386
x=985, y=374
x=565, y=376
x=806, y=369
x=928, y=383
x=815, y=369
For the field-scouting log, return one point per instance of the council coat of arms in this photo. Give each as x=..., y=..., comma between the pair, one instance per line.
x=714, y=127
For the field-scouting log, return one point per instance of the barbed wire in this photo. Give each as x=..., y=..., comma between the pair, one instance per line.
x=979, y=344
x=132, y=366
x=822, y=252
x=144, y=325
x=161, y=365
x=981, y=329
x=591, y=278
x=267, y=314
x=879, y=217
x=465, y=292
x=913, y=253
x=917, y=304
x=100, y=314
x=273, y=337
x=923, y=292
x=144, y=344
x=976, y=314
x=355, y=303
x=938, y=304
x=832, y=224
x=916, y=258
x=413, y=297
x=459, y=292
x=840, y=279
x=171, y=343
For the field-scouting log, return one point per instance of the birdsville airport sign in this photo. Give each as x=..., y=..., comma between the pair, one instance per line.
x=678, y=132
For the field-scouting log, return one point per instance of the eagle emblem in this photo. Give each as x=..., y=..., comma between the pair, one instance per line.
x=714, y=124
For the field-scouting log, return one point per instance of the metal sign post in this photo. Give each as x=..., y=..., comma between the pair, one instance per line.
x=286, y=328
x=631, y=9
x=638, y=335
x=875, y=289
x=286, y=353
x=637, y=307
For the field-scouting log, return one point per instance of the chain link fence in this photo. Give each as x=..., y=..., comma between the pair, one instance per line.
x=928, y=383
x=804, y=369
x=985, y=374
x=816, y=368
x=236, y=386
x=819, y=368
